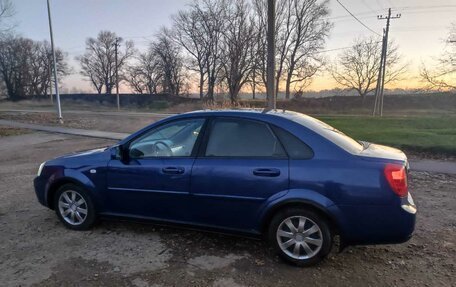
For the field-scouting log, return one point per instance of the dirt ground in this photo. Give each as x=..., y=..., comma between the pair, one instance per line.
x=36, y=250
x=111, y=123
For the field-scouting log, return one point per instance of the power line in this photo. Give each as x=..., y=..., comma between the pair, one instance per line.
x=342, y=17
x=358, y=19
x=379, y=4
x=425, y=7
x=368, y=6
x=391, y=3
x=409, y=9
x=332, y=50
x=137, y=37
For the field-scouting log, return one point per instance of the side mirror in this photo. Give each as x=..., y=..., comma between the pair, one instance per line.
x=120, y=152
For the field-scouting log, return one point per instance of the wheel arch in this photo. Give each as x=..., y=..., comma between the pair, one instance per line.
x=299, y=203
x=56, y=185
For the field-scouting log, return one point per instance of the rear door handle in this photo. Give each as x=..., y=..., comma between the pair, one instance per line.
x=173, y=170
x=266, y=172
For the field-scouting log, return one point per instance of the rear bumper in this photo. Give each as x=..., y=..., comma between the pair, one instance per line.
x=365, y=225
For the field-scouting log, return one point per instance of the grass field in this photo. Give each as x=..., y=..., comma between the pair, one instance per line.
x=422, y=126
x=436, y=134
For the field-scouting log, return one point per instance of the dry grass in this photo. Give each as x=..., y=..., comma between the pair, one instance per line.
x=7, y=131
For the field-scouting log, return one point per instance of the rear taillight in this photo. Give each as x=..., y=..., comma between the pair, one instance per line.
x=396, y=175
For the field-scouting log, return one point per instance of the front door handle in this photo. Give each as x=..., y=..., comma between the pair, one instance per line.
x=173, y=170
x=266, y=172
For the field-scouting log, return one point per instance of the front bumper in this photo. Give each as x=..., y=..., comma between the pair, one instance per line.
x=40, y=189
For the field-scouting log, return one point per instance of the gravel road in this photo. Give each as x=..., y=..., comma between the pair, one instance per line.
x=35, y=249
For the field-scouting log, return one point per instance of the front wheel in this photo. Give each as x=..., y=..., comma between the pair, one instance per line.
x=74, y=207
x=300, y=236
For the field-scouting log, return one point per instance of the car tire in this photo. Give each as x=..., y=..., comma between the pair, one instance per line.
x=74, y=207
x=300, y=236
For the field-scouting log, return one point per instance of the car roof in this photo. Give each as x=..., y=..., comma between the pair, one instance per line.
x=240, y=112
x=302, y=119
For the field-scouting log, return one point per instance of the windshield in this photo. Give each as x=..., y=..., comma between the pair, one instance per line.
x=330, y=133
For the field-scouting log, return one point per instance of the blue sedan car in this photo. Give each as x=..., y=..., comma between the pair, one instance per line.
x=282, y=175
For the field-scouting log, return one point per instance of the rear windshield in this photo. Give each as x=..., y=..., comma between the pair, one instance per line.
x=328, y=132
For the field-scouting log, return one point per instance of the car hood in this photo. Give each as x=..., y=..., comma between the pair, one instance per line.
x=380, y=151
x=85, y=153
x=98, y=156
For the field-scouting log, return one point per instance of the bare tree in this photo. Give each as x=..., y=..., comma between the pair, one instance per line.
x=357, y=67
x=255, y=78
x=7, y=11
x=41, y=65
x=237, y=43
x=308, y=37
x=170, y=62
x=301, y=31
x=24, y=66
x=14, y=65
x=443, y=75
x=261, y=20
x=189, y=32
x=135, y=79
x=212, y=13
x=91, y=68
x=146, y=74
x=98, y=62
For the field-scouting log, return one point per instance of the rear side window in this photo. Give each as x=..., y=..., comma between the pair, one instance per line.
x=295, y=148
x=242, y=138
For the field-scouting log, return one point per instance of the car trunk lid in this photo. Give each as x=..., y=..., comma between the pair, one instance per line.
x=383, y=152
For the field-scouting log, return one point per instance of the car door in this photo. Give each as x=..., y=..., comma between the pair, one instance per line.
x=241, y=164
x=154, y=182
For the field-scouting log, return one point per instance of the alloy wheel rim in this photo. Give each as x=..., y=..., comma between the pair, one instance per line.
x=73, y=207
x=299, y=237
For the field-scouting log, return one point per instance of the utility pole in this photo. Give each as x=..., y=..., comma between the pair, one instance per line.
x=254, y=82
x=56, y=82
x=379, y=95
x=50, y=81
x=116, y=44
x=270, y=87
x=379, y=78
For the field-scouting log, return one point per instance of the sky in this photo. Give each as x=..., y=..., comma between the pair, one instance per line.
x=420, y=32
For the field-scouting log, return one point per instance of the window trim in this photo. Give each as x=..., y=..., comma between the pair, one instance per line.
x=195, y=146
x=208, y=131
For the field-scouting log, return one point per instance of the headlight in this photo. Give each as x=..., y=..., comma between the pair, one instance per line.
x=40, y=169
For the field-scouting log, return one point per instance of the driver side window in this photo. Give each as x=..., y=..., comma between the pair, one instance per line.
x=175, y=139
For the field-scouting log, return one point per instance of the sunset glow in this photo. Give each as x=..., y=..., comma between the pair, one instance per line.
x=420, y=33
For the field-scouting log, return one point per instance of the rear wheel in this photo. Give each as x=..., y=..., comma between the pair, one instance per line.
x=301, y=237
x=74, y=207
